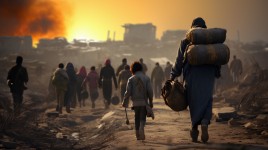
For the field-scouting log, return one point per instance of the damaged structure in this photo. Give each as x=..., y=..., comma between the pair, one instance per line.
x=139, y=33
x=15, y=43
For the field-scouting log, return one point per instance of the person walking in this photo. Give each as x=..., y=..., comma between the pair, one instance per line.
x=157, y=78
x=16, y=79
x=199, y=83
x=60, y=81
x=70, y=96
x=92, y=82
x=121, y=67
x=81, y=75
x=123, y=77
x=236, y=69
x=140, y=90
x=144, y=66
x=105, y=82
x=167, y=70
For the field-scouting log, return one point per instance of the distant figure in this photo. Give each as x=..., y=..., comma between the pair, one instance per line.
x=51, y=88
x=236, y=69
x=167, y=70
x=70, y=96
x=157, y=79
x=122, y=66
x=81, y=75
x=105, y=82
x=92, y=81
x=144, y=67
x=124, y=75
x=60, y=81
x=16, y=79
x=140, y=90
x=199, y=84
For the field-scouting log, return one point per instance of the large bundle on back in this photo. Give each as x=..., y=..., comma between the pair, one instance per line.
x=206, y=36
x=207, y=47
x=217, y=54
x=173, y=94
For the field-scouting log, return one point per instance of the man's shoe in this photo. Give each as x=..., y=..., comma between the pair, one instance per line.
x=204, y=136
x=138, y=135
x=194, y=135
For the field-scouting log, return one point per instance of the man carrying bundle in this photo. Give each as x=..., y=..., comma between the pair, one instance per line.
x=199, y=73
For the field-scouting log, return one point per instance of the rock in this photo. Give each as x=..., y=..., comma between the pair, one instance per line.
x=224, y=113
x=233, y=122
x=9, y=145
x=249, y=125
x=53, y=114
x=59, y=135
x=264, y=133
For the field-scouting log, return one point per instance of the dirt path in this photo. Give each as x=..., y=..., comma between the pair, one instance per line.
x=171, y=130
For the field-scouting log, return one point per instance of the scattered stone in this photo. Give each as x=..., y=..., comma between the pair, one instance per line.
x=264, y=133
x=75, y=135
x=107, y=115
x=249, y=125
x=233, y=122
x=53, y=114
x=224, y=113
x=59, y=135
x=9, y=145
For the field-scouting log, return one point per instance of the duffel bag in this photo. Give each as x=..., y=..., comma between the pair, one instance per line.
x=212, y=54
x=173, y=94
x=206, y=36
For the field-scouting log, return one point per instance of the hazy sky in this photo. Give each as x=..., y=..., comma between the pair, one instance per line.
x=92, y=19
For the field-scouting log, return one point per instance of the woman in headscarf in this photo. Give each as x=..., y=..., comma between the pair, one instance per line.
x=92, y=80
x=199, y=83
x=107, y=73
x=81, y=75
x=70, y=96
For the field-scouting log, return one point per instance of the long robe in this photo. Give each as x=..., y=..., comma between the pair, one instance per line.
x=199, y=84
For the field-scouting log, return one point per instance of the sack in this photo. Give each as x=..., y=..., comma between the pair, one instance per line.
x=206, y=36
x=115, y=100
x=212, y=54
x=84, y=94
x=149, y=111
x=173, y=94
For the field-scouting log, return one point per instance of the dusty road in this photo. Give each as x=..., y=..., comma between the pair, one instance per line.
x=106, y=129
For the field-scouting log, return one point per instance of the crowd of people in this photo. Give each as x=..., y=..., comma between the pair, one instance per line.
x=71, y=86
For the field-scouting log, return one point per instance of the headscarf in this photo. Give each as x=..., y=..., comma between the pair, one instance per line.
x=199, y=22
x=82, y=72
x=107, y=62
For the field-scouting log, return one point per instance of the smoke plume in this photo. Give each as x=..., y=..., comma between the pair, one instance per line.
x=38, y=18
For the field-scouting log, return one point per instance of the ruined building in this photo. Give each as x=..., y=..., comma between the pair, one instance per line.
x=139, y=33
x=173, y=36
x=15, y=43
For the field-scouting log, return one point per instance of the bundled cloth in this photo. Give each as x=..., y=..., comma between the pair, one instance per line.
x=173, y=94
x=217, y=54
x=206, y=47
x=206, y=36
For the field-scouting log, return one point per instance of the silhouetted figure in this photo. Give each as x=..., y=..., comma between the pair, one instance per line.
x=106, y=75
x=51, y=89
x=140, y=90
x=236, y=69
x=60, y=81
x=70, y=96
x=92, y=81
x=16, y=79
x=122, y=66
x=81, y=75
x=144, y=67
x=123, y=77
x=157, y=78
x=199, y=83
x=168, y=70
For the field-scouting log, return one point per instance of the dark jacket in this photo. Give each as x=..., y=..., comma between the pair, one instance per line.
x=17, y=78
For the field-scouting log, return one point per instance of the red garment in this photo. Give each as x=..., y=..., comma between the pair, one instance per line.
x=83, y=72
x=92, y=80
x=108, y=62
